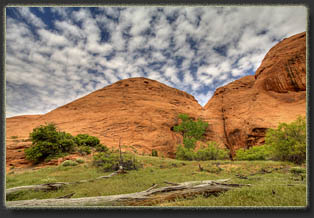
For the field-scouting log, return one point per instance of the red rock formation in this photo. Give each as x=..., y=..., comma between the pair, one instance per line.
x=139, y=110
x=283, y=68
x=143, y=111
x=240, y=112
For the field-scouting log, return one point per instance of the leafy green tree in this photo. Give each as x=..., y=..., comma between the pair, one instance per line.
x=191, y=130
x=46, y=133
x=288, y=141
x=48, y=142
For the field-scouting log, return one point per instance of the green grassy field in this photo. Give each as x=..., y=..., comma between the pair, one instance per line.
x=272, y=183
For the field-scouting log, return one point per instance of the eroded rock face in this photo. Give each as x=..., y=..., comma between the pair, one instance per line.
x=284, y=66
x=240, y=113
x=142, y=112
x=139, y=110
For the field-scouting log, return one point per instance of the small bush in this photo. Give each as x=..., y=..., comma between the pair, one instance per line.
x=108, y=161
x=14, y=137
x=86, y=140
x=189, y=143
x=261, y=152
x=69, y=163
x=184, y=153
x=47, y=150
x=101, y=148
x=154, y=153
x=297, y=170
x=47, y=143
x=211, y=152
x=84, y=150
x=45, y=133
x=79, y=161
x=288, y=141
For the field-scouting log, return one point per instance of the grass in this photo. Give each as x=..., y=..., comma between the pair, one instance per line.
x=280, y=187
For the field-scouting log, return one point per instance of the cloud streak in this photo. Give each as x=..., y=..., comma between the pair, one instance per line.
x=55, y=55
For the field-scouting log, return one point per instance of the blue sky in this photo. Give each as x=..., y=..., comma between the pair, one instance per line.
x=55, y=55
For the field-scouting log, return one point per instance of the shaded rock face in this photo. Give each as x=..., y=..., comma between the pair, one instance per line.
x=142, y=112
x=241, y=112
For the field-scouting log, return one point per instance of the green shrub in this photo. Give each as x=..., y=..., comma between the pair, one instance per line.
x=86, y=140
x=288, y=141
x=297, y=170
x=191, y=130
x=84, y=150
x=47, y=143
x=45, y=133
x=79, y=161
x=154, y=153
x=211, y=152
x=184, y=153
x=108, y=161
x=69, y=163
x=261, y=152
x=101, y=148
x=189, y=143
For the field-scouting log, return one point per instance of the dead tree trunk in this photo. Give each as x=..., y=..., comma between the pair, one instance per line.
x=148, y=197
x=53, y=186
x=42, y=187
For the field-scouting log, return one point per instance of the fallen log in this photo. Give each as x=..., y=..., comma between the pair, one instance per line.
x=42, y=187
x=53, y=186
x=147, y=197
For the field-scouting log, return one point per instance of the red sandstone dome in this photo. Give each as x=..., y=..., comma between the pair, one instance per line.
x=142, y=112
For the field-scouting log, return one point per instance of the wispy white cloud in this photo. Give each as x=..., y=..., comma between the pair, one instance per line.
x=31, y=18
x=54, y=60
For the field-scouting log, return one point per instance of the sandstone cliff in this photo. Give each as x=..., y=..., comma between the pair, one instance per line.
x=142, y=112
x=139, y=110
x=240, y=113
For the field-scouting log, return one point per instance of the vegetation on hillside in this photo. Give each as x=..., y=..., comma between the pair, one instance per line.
x=280, y=181
x=193, y=131
x=112, y=161
x=286, y=143
x=48, y=142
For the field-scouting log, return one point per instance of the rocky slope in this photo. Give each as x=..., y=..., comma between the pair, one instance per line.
x=139, y=110
x=142, y=112
x=241, y=112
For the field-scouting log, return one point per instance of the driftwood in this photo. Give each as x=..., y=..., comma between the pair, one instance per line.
x=66, y=196
x=56, y=185
x=148, y=197
x=42, y=187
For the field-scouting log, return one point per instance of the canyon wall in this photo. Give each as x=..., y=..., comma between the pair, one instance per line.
x=141, y=112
